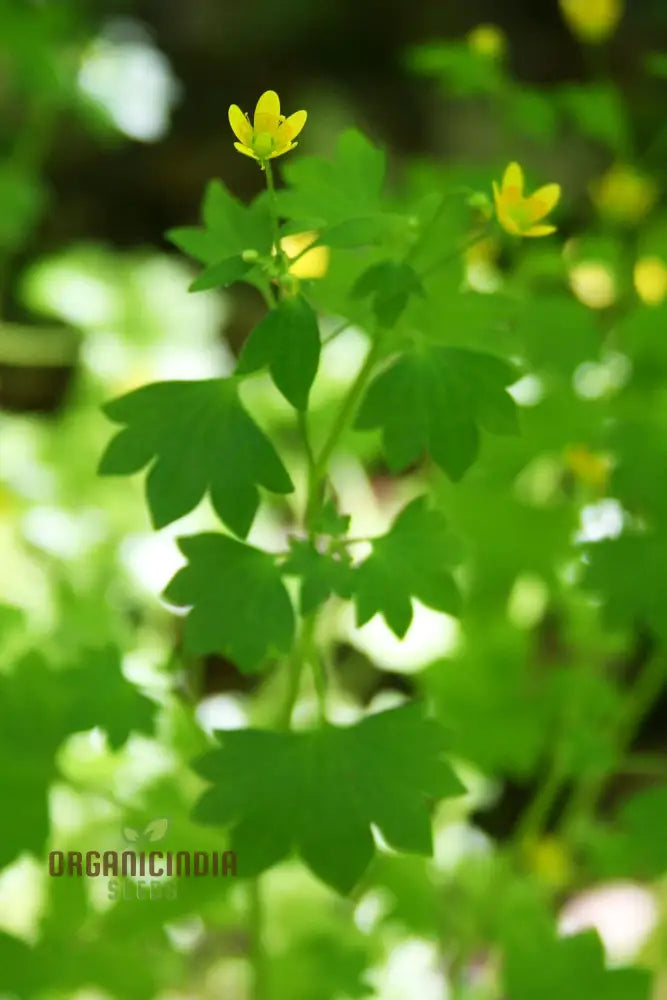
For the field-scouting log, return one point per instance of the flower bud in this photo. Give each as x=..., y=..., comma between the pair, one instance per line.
x=650, y=280
x=623, y=194
x=592, y=20
x=488, y=40
x=290, y=285
x=481, y=203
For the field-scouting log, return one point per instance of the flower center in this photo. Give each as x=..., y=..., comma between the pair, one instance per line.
x=521, y=215
x=263, y=144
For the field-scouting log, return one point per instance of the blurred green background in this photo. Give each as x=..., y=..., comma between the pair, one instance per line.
x=113, y=117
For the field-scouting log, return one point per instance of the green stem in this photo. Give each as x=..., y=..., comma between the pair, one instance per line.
x=268, y=170
x=644, y=764
x=302, y=422
x=467, y=244
x=30, y=150
x=587, y=794
x=258, y=966
x=533, y=821
x=268, y=296
x=295, y=664
x=341, y=421
x=311, y=654
x=336, y=332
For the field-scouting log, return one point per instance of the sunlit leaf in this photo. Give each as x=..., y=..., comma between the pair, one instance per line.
x=199, y=439
x=318, y=792
x=239, y=603
x=434, y=401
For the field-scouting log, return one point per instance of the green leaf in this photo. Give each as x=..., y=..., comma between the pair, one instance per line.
x=102, y=696
x=328, y=521
x=640, y=448
x=287, y=341
x=201, y=439
x=598, y=111
x=20, y=972
x=328, y=192
x=461, y=70
x=630, y=573
x=230, y=227
x=219, y=275
x=240, y=606
x=572, y=967
x=33, y=724
x=390, y=284
x=532, y=113
x=321, y=573
x=365, y=231
x=39, y=708
x=409, y=561
x=200, y=244
x=321, y=965
x=434, y=400
x=318, y=792
x=639, y=838
x=22, y=198
x=556, y=333
x=485, y=693
x=655, y=63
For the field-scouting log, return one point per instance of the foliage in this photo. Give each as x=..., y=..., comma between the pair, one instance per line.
x=397, y=639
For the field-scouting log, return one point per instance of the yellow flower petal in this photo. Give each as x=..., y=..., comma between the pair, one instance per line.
x=290, y=128
x=267, y=109
x=592, y=20
x=543, y=200
x=513, y=179
x=313, y=263
x=244, y=149
x=650, y=277
x=507, y=222
x=285, y=149
x=241, y=127
x=539, y=231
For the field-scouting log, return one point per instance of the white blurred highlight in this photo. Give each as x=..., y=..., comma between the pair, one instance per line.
x=131, y=80
x=623, y=914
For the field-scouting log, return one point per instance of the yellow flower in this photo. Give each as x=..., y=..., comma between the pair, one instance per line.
x=593, y=283
x=487, y=40
x=650, y=278
x=521, y=215
x=592, y=20
x=623, y=194
x=591, y=468
x=309, y=263
x=549, y=859
x=271, y=134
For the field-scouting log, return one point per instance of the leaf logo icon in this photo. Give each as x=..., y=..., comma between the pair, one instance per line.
x=155, y=830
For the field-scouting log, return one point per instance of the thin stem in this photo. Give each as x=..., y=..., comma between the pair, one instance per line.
x=467, y=244
x=295, y=665
x=302, y=422
x=303, y=251
x=336, y=332
x=311, y=653
x=258, y=964
x=268, y=296
x=343, y=417
x=533, y=821
x=638, y=703
x=644, y=764
x=30, y=150
x=268, y=171
x=444, y=199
